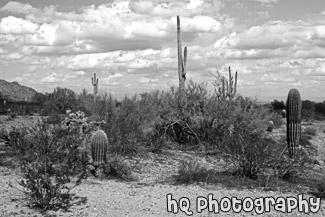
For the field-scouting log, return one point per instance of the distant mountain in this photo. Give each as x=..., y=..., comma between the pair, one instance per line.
x=13, y=91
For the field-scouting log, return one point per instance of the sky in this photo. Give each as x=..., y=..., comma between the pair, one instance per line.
x=274, y=45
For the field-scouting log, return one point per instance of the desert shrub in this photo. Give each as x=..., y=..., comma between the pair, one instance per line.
x=291, y=168
x=60, y=100
x=46, y=142
x=307, y=148
x=277, y=119
x=182, y=118
x=239, y=127
x=308, y=110
x=310, y=131
x=249, y=153
x=123, y=128
x=319, y=110
x=49, y=156
x=87, y=101
x=319, y=187
x=119, y=168
x=54, y=118
x=104, y=107
x=193, y=120
x=178, y=131
x=190, y=171
x=199, y=119
x=43, y=190
x=13, y=115
x=47, y=166
x=278, y=105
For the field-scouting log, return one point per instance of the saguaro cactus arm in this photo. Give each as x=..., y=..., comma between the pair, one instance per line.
x=94, y=82
x=184, y=64
x=235, y=86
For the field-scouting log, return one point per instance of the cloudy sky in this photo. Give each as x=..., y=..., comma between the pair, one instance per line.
x=275, y=45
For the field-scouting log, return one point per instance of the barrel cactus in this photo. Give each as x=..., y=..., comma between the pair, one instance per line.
x=99, y=145
x=283, y=113
x=293, y=109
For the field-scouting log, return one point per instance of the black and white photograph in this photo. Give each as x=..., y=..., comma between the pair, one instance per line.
x=112, y=108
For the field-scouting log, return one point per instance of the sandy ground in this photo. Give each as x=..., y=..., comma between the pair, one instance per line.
x=148, y=195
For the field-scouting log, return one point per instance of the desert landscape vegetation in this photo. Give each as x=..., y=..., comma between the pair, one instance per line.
x=186, y=151
x=69, y=154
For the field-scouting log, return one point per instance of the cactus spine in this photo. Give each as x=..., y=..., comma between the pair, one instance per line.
x=99, y=145
x=94, y=82
x=293, y=108
x=181, y=60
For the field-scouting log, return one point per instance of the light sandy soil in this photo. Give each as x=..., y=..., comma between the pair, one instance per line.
x=147, y=195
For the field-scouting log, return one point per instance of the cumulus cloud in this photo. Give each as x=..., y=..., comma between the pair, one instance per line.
x=113, y=79
x=11, y=56
x=144, y=7
x=148, y=81
x=274, y=78
x=267, y=2
x=274, y=39
x=121, y=25
x=133, y=44
x=18, y=8
x=14, y=25
x=240, y=68
x=52, y=78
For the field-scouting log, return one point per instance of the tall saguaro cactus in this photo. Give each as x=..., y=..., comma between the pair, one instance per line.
x=94, y=82
x=293, y=108
x=228, y=88
x=181, y=59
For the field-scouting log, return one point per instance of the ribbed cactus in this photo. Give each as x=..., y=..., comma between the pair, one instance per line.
x=181, y=59
x=99, y=145
x=293, y=120
x=228, y=88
